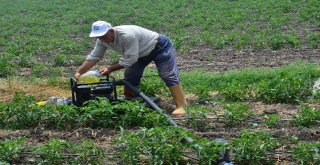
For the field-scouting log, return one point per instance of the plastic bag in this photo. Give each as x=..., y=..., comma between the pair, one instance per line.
x=90, y=77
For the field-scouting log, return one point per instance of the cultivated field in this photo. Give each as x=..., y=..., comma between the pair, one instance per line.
x=247, y=67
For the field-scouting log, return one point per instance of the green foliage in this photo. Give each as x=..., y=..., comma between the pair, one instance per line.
x=151, y=84
x=53, y=152
x=68, y=60
x=158, y=145
x=40, y=70
x=272, y=120
x=307, y=153
x=20, y=113
x=314, y=40
x=198, y=119
x=252, y=147
x=236, y=113
x=288, y=84
x=209, y=151
x=24, y=113
x=10, y=148
x=49, y=30
x=307, y=116
x=6, y=66
x=277, y=40
x=126, y=114
x=56, y=152
x=60, y=116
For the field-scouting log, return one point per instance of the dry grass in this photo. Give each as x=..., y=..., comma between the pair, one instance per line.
x=39, y=89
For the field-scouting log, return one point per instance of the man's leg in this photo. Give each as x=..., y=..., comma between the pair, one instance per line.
x=168, y=70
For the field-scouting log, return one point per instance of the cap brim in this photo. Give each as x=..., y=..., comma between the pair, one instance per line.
x=96, y=34
x=92, y=34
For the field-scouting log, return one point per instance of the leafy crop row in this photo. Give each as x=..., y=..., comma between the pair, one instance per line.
x=254, y=147
x=53, y=152
x=162, y=145
x=237, y=114
x=157, y=145
x=24, y=113
x=288, y=84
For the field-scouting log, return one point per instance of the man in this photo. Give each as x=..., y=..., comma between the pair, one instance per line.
x=139, y=47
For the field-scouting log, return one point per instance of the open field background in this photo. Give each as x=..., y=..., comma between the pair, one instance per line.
x=245, y=66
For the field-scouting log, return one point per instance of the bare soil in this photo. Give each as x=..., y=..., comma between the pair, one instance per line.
x=229, y=59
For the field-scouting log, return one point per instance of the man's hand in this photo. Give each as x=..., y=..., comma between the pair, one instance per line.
x=105, y=71
x=77, y=75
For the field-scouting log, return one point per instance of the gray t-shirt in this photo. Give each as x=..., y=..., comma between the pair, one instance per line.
x=131, y=41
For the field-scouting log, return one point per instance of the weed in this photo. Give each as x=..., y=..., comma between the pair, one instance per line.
x=20, y=113
x=151, y=84
x=7, y=67
x=68, y=60
x=307, y=116
x=272, y=120
x=10, y=149
x=153, y=146
x=40, y=70
x=307, y=153
x=43, y=27
x=198, y=118
x=210, y=151
x=236, y=113
x=126, y=114
x=252, y=147
x=313, y=40
x=56, y=152
x=24, y=113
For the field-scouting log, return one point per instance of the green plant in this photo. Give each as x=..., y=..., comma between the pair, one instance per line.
x=307, y=153
x=156, y=145
x=60, y=151
x=52, y=152
x=287, y=85
x=59, y=81
x=313, y=40
x=198, y=118
x=68, y=60
x=89, y=153
x=272, y=120
x=41, y=70
x=210, y=151
x=236, y=113
x=151, y=84
x=22, y=113
x=10, y=149
x=101, y=113
x=7, y=67
x=307, y=116
x=252, y=147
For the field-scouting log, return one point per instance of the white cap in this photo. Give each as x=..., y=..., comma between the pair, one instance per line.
x=99, y=28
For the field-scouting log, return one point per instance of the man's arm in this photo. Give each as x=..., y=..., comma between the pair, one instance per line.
x=87, y=64
x=106, y=71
